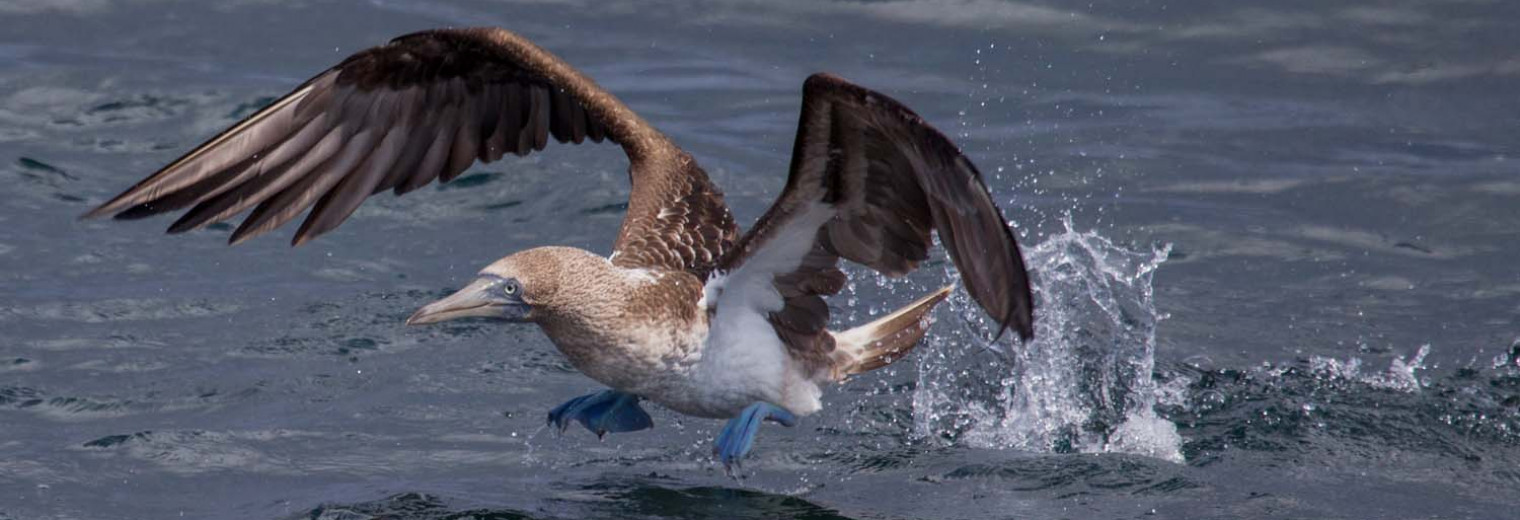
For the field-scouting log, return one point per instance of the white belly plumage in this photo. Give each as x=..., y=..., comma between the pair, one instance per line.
x=725, y=362
x=734, y=367
x=742, y=361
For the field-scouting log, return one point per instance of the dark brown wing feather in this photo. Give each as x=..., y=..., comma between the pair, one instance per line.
x=890, y=178
x=426, y=106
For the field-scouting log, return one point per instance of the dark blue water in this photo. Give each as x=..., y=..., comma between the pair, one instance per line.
x=1276, y=248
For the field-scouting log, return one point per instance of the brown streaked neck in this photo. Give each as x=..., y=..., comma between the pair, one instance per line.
x=606, y=313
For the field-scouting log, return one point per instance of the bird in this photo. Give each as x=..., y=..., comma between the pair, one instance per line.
x=687, y=311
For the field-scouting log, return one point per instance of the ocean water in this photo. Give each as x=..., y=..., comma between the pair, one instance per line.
x=1274, y=245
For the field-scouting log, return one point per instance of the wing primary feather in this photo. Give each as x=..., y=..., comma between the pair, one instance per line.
x=494, y=114
x=341, y=201
x=416, y=121
x=443, y=129
x=488, y=115
x=437, y=155
x=512, y=116
x=324, y=90
x=560, y=113
x=192, y=194
x=540, y=118
x=466, y=142
x=528, y=126
x=594, y=130
x=272, y=160
x=413, y=151
x=261, y=130
x=577, y=122
x=291, y=201
x=254, y=190
x=348, y=136
x=282, y=207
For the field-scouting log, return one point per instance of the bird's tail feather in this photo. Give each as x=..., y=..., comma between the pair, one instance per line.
x=889, y=338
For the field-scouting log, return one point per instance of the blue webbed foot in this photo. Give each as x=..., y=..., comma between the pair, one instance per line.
x=738, y=436
x=602, y=412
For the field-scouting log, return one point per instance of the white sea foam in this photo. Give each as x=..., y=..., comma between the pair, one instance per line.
x=1084, y=384
x=1400, y=374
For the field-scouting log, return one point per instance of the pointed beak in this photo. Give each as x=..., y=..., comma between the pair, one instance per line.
x=483, y=298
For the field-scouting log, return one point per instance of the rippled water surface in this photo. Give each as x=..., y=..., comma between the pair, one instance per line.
x=1275, y=245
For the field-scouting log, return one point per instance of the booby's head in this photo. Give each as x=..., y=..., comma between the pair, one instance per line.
x=528, y=286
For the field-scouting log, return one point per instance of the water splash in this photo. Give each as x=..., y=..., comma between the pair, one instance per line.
x=1084, y=384
x=1400, y=374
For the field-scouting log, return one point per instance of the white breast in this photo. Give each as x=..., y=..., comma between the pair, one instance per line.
x=743, y=361
x=732, y=361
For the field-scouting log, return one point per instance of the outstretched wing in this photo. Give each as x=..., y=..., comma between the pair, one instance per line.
x=869, y=180
x=428, y=105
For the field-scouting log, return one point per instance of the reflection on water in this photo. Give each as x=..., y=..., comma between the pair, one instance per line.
x=707, y=502
x=632, y=500
x=417, y=506
x=1338, y=298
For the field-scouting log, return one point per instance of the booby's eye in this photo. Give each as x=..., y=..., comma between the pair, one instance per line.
x=511, y=288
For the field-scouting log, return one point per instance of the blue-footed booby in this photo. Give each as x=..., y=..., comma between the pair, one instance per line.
x=687, y=311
